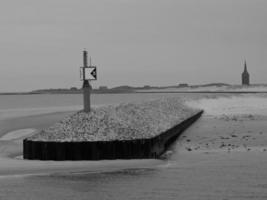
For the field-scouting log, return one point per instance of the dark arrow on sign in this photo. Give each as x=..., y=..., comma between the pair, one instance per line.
x=93, y=73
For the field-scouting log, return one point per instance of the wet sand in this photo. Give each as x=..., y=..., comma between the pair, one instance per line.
x=227, y=135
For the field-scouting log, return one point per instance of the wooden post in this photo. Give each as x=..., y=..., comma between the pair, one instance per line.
x=86, y=96
x=86, y=87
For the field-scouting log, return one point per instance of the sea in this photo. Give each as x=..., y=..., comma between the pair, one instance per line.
x=180, y=174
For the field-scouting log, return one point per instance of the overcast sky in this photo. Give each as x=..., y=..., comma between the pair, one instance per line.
x=132, y=42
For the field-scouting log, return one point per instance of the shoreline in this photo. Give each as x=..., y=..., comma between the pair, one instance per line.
x=146, y=92
x=213, y=128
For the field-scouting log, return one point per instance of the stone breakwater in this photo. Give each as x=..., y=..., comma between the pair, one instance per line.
x=106, y=150
x=119, y=123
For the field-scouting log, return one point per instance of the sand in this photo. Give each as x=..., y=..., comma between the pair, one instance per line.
x=231, y=88
x=232, y=105
x=220, y=135
x=234, y=123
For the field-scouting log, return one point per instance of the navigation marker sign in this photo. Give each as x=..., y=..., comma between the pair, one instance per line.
x=90, y=73
x=87, y=73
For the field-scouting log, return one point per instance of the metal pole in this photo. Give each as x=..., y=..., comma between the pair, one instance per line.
x=86, y=87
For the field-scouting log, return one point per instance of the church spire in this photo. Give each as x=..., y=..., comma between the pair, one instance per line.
x=245, y=75
x=245, y=67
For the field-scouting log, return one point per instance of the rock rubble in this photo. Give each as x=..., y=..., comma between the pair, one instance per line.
x=123, y=122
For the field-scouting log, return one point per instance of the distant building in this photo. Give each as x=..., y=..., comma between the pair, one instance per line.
x=245, y=75
x=73, y=89
x=146, y=87
x=103, y=88
x=182, y=85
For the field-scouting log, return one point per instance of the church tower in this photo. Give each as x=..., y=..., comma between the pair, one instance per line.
x=245, y=75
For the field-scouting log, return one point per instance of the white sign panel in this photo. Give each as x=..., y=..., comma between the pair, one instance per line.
x=88, y=73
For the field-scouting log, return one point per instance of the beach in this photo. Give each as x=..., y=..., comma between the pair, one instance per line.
x=222, y=156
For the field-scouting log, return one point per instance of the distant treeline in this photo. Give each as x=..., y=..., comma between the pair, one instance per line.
x=123, y=89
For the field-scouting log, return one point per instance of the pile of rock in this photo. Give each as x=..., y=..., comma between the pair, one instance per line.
x=122, y=122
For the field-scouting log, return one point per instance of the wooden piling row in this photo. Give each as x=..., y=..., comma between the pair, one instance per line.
x=106, y=150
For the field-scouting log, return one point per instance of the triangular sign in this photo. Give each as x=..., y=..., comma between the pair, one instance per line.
x=93, y=73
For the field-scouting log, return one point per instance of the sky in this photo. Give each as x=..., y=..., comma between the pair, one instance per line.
x=132, y=42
